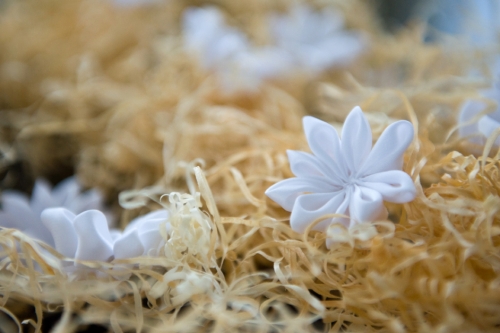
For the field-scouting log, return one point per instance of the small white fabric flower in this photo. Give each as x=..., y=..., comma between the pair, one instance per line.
x=345, y=176
x=486, y=124
x=22, y=213
x=315, y=40
x=86, y=236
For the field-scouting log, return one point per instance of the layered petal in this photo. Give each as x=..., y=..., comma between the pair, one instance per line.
x=41, y=198
x=150, y=236
x=59, y=221
x=94, y=238
x=286, y=191
x=356, y=139
x=310, y=207
x=17, y=206
x=128, y=246
x=366, y=205
x=470, y=110
x=387, y=154
x=66, y=192
x=394, y=186
x=487, y=125
x=325, y=145
x=306, y=165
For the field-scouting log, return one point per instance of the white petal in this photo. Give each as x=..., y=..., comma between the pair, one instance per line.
x=310, y=207
x=394, y=186
x=306, y=165
x=64, y=192
x=286, y=191
x=356, y=139
x=41, y=198
x=487, y=125
x=8, y=221
x=94, y=238
x=150, y=236
x=17, y=206
x=128, y=246
x=91, y=199
x=366, y=205
x=325, y=144
x=59, y=221
x=387, y=154
x=160, y=214
x=469, y=110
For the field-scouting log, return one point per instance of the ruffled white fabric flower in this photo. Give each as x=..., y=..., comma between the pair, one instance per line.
x=315, y=40
x=22, y=213
x=86, y=236
x=486, y=124
x=345, y=176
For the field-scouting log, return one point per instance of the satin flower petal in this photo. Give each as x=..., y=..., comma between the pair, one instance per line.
x=356, y=139
x=59, y=222
x=387, y=154
x=128, y=246
x=325, y=144
x=94, y=238
x=366, y=205
x=395, y=185
x=310, y=207
x=287, y=191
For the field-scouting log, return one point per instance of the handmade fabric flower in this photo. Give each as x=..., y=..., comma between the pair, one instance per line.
x=345, y=176
x=486, y=124
x=21, y=213
x=86, y=236
x=315, y=40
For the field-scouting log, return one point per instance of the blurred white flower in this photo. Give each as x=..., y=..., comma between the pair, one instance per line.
x=22, y=213
x=206, y=33
x=86, y=236
x=135, y=3
x=475, y=20
x=345, y=176
x=486, y=124
x=315, y=40
x=228, y=53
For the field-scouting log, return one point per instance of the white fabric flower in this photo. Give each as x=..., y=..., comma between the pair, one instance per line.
x=345, y=176
x=486, y=124
x=315, y=40
x=86, y=236
x=22, y=213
